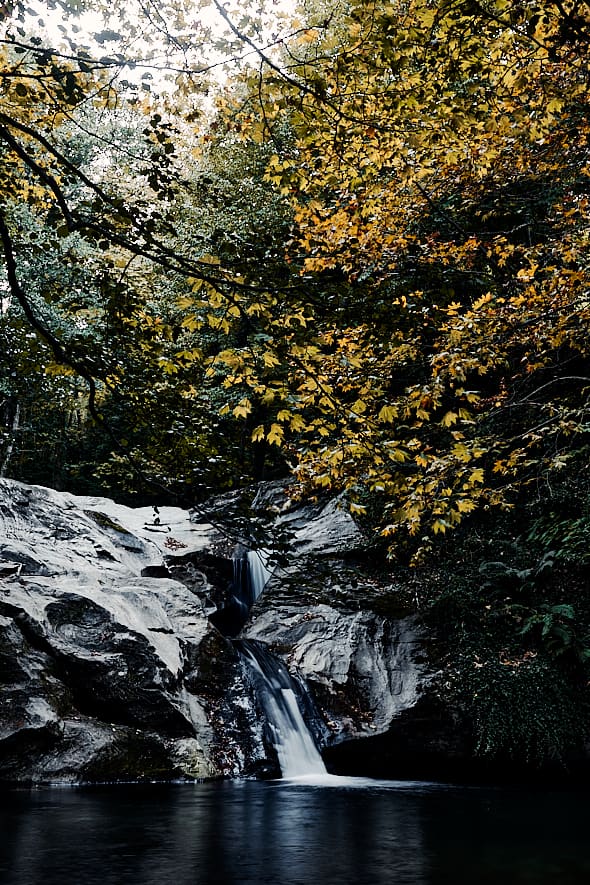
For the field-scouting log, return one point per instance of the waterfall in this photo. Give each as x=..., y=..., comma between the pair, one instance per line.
x=258, y=571
x=250, y=574
x=276, y=689
x=240, y=597
x=278, y=693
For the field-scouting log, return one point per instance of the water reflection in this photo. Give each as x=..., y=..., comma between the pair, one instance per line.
x=292, y=833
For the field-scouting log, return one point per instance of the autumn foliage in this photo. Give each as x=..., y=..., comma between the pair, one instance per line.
x=439, y=174
x=404, y=313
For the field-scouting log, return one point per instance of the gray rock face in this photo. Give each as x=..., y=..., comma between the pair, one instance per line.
x=331, y=620
x=363, y=669
x=106, y=673
x=334, y=620
x=326, y=531
x=111, y=669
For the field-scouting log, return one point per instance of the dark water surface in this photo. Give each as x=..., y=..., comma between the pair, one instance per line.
x=341, y=831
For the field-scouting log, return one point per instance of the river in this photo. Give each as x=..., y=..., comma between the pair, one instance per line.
x=338, y=831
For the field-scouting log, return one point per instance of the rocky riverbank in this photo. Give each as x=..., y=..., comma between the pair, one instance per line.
x=117, y=654
x=111, y=668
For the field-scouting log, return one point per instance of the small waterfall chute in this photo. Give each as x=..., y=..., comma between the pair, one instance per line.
x=293, y=743
x=250, y=575
x=258, y=571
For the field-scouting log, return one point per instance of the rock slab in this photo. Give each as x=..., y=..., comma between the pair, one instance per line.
x=108, y=672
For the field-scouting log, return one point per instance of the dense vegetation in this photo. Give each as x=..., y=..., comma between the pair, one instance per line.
x=360, y=257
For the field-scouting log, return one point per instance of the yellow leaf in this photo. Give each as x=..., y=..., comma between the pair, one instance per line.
x=275, y=435
x=476, y=476
x=243, y=408
x=270, y=359
x=449, y=419
x=485, y=299
x=465, y=505
x=398, y=455
x=297, y=423
x=209, y=259
x=192, y=323
x=58, y=369
x=255, y=309
x=168, y=366
x=387, y=414
x=184, y=302
x=461, y=452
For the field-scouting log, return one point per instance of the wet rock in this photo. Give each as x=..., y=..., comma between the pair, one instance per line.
x=337, y=620
x=329, y=531
x=111, y=667
x=363, y=669
x=106, y=662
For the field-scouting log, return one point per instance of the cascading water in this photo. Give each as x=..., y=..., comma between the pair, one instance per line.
x=258, y=572
x=276, y=690
x=290, y=737
x=240, y=598
x=250, y=574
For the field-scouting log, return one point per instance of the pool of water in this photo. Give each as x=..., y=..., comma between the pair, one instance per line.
x=323, y=830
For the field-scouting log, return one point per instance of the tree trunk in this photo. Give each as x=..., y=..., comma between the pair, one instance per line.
x=10, y=449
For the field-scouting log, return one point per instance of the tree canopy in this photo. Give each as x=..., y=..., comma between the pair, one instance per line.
x=437, y=165
x=364, y=248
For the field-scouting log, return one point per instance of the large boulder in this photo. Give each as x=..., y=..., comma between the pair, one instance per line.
x=330, y=611
x=363, y=669
x=341, y=624
x=110, y=669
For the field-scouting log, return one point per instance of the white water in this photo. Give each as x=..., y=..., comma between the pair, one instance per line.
x=258, y=571
x=293, y=743
x=251, y=573
x=296, y=751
